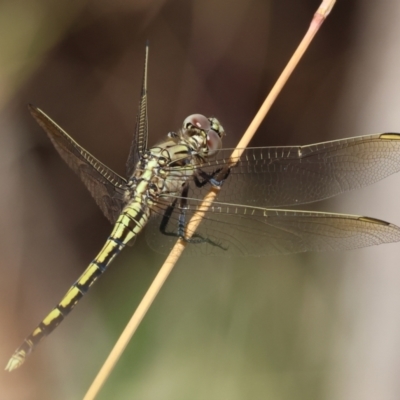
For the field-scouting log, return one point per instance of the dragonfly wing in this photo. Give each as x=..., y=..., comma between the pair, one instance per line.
x=282, y=176
x=235, y=230
x=107, y=187
x=139, y=143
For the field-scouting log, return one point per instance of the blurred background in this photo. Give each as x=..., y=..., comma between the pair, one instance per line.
x=309, y=326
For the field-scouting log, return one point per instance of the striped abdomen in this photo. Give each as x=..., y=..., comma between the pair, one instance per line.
x=128, y=225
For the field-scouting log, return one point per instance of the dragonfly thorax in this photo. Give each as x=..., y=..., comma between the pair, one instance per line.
x=155, y=173
x=165, y=168
x=148, y=178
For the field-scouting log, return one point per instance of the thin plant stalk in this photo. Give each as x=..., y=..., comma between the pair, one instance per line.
x=319, y=17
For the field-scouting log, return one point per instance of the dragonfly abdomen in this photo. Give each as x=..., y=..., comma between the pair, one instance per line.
x=128, y=225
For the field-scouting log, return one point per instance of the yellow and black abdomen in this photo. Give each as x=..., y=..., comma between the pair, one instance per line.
x=128, y=225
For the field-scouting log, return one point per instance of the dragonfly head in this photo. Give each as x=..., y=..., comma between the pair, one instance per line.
x=203, y=134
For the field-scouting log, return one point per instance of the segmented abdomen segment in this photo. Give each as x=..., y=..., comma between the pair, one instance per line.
x=128, y=225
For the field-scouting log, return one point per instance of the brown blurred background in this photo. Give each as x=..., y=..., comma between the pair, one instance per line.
x=312, y=326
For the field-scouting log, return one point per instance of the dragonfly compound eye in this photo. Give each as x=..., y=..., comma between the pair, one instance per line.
x=214, y=142
x=197, y=121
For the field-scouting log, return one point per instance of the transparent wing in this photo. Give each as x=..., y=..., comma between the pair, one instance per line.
x=105, y=185
x=234, y=230
x=139, y=143
x=282, y=176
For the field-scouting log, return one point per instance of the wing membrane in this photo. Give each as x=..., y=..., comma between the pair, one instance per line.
x=283, y=176
x=238, y=230
x=105, y=185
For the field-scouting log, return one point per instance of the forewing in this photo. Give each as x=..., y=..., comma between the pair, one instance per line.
x=139, y=142
x=105, y=185
x=234, y=230
x=283, y=176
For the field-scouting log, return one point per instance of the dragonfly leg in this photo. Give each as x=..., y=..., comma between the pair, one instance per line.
x=209, y=178
x=180, y=233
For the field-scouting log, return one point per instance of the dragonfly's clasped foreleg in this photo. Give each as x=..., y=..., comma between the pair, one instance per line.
x=210, y=178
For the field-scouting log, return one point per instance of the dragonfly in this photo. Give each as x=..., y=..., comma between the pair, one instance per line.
x=165, y=184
